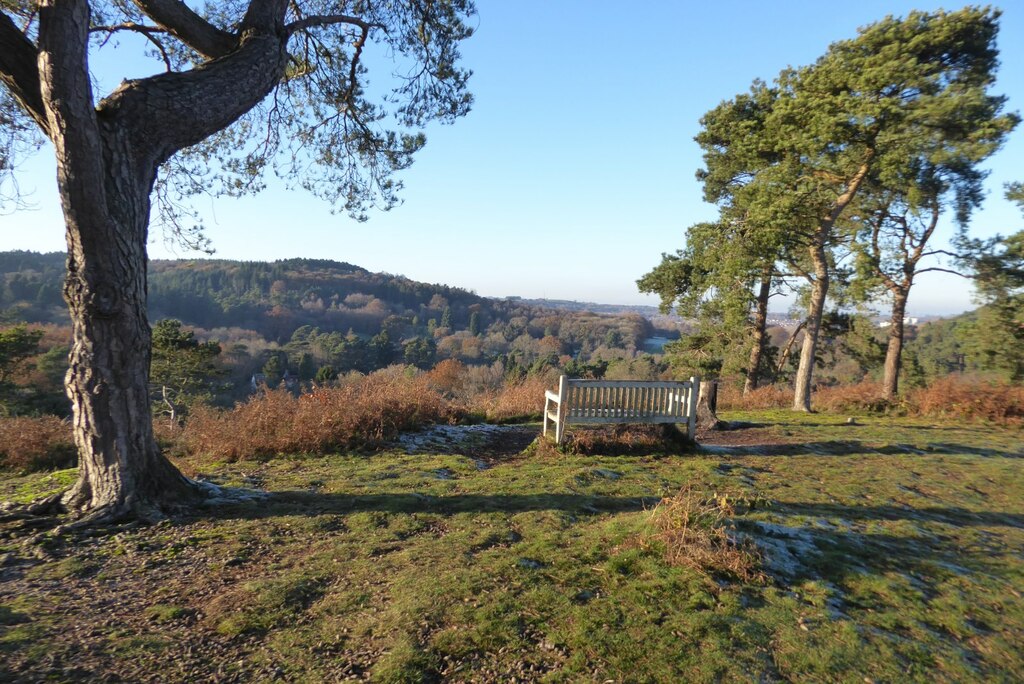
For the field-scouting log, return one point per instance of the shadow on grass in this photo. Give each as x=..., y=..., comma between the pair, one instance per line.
x=950, y=515
x=831, y=550
x=852, y=447
x=317, y=503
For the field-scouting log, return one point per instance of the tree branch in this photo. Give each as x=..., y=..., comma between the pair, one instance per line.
x=146, y=31
x=328, y=19
x=945, y=270
x=926, y=235
x=66, y=90
x=172, y=111
x=265, y=15
x=129, y=26
x=191, y=29
x=942, y=251
x=19, y=71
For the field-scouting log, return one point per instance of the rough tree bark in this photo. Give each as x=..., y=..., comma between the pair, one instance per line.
x=818, y=252
x=707, y=406
x=815, y=309
x=909, y=251
x=760, y=332
x=107, y=161
x=894, y=348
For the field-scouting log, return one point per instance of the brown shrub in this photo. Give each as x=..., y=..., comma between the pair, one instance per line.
x=969, y=398
x=521, y=400
x=954, y=396
x=362, y=412
x=768, y=397
x=447, y=377
x=864, y=396
x=697, y=532
x=32, y=444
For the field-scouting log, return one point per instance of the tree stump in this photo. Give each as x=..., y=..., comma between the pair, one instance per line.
x=707, y=405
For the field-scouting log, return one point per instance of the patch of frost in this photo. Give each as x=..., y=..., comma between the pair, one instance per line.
x=446, y=437
x=784, y=548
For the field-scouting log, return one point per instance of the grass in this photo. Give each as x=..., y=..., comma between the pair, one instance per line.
x=891, y=551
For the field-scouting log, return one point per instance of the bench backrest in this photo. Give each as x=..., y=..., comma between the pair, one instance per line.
x=621, y=401
x=627, y=400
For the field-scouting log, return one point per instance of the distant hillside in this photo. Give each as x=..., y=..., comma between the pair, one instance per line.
x=256, y=295
x=648, y=312
x=238, y=300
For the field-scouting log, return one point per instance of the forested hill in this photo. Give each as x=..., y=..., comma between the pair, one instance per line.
x=274, y=299
x=267, y=297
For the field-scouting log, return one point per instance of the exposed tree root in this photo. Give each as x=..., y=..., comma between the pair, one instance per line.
x=47, y=506
x=70, y=511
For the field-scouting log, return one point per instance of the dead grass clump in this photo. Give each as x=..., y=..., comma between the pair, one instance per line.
x=956, y=396
x=731, y=397
x=864, y=396
x=363, y=412
x=697, y=532
x=519, y=400
x=626, y=440
x=34, y=444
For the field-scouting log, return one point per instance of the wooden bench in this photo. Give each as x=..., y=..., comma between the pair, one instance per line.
x=621, y=401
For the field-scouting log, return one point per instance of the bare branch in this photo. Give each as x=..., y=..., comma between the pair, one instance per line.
x=227, y=88
x=926, y=235
x=264, y=15
x=944, y=252
x=946, y=270
x=145, y=31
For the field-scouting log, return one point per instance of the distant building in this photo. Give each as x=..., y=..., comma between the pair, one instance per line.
x=783, y=322
x=907, y=320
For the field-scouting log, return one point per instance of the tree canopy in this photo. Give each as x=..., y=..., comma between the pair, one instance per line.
x=902, y=110
x=322, y=126
x=241, y=87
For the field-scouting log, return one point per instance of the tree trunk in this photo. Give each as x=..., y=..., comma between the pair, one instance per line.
x=815, y=310
x=104, y=186
x=121, y=470
x=707, y=406
x=760, y=335
x=894, y=351
x=107, y=160
x=787, y=350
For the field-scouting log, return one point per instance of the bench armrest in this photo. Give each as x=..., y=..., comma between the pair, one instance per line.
x=551, y=396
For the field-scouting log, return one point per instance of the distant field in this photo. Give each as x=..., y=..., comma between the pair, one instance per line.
x=893, y=549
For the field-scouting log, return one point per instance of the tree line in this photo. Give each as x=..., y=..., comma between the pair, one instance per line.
x=831, y=182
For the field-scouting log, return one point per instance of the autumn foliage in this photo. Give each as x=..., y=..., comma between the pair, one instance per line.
x=368, y=411
x=970, y=399
x=958, y=397
x=30, y=444
x=364, y=412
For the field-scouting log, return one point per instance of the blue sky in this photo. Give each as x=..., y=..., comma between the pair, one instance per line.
x=575, y=169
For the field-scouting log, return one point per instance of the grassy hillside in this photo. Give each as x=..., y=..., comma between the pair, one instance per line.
x=885, y=551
